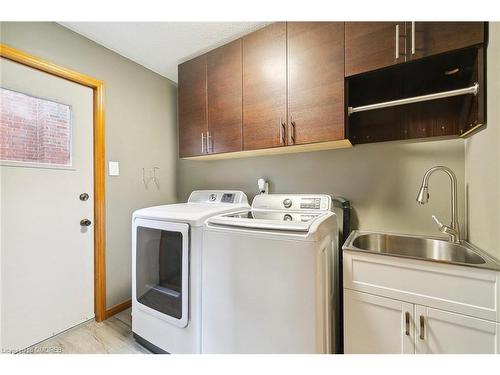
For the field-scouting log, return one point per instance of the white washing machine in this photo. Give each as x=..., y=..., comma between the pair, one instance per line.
x=166, y=269
x=267, y=277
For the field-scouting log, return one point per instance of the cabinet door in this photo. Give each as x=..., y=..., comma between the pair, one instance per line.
x=224, y=90
x=264, y=87
x=443, y=332
x=192, y=107
x=315, y=81
x=377, y=325
x=373, y=45
x=430, y=38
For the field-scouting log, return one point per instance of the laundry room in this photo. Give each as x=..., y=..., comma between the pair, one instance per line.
x=201, y=182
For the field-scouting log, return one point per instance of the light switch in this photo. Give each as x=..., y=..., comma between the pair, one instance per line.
x=114, y=168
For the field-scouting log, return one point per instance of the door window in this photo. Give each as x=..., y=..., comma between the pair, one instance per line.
x=34, y=130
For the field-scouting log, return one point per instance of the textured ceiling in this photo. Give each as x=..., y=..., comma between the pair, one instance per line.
x=161, y=46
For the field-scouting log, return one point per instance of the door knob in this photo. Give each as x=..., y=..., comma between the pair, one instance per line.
x=84, y=197
x=85, y=222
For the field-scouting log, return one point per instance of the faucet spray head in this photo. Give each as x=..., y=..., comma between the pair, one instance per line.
x=423, y=195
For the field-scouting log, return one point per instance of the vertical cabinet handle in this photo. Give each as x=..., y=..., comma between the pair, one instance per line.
x=422, y=327
x=202, y=143
x=397, y=41
x=407, y=323
x=210, y=146
x=413, y=38
x=282, y=132
x=398, y=37
x=292, y=126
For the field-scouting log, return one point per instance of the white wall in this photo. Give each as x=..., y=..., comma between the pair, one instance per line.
x=141, y=131
x=482, y=160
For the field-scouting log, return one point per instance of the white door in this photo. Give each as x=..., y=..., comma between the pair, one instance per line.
x=442, y=332
x=46, y=254
x=377, y=325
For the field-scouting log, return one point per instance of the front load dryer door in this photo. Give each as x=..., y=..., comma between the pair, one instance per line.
x=161, y=269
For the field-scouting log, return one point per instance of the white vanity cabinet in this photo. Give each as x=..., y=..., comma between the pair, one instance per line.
x=443, y=332
x=377, y=325
x=399, y=305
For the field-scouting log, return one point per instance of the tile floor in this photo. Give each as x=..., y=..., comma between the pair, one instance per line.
x=113, y=336
x=125, y=316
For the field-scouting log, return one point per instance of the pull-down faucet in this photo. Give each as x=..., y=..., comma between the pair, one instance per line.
x=453, y=230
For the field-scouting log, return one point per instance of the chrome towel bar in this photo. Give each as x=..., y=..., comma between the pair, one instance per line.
x=474, y=89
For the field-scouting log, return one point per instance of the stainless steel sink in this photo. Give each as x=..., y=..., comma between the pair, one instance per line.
x=431, y=249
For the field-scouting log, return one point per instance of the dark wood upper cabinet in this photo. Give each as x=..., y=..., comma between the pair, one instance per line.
x=192, y=102
x=373, y=45
x=315, y=81
x=431, y=38
x=287, y=84
x=224, y=90
x=264, y=87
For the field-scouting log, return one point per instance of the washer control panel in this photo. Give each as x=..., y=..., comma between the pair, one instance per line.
x=310, y=203
x=292, y=202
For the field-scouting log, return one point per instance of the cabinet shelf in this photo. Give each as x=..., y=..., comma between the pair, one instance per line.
x=437, y=96
x=320, y=146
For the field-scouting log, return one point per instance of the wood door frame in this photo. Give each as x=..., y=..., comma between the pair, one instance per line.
x=97, y=87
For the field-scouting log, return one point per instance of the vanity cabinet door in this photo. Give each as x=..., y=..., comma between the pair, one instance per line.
x=192, y=104
x=443, y=332
x=377, y=325
x=430, y=38
x=373, y=45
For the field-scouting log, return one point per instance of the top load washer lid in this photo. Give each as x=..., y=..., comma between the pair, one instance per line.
x=201, y=205
x=270, y=220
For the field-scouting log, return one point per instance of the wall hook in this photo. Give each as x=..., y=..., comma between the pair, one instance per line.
x=155, y=179
x=152, y=177
x=144, y=181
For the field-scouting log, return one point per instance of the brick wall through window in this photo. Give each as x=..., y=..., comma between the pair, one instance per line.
x=34, y=130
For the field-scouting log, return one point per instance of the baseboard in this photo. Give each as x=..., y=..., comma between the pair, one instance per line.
x=118, y=308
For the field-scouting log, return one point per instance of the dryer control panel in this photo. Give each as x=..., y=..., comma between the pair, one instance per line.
x=217, y=196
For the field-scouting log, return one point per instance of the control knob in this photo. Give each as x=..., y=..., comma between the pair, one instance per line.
x=287, y=203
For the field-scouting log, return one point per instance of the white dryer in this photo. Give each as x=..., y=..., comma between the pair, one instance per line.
x=267, y=277
x=166, y=269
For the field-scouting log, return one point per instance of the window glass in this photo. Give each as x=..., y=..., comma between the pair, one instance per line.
x=159, y=270
x=34, y=130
